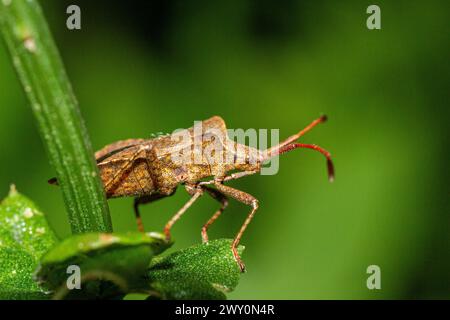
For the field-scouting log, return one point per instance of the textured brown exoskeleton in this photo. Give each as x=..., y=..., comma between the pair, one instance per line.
x=146, y=169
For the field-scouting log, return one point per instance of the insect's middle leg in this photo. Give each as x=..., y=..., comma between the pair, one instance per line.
x=224, y=203
x=195, y=192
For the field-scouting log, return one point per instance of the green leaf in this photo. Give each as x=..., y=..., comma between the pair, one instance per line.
x=44, y=80
x=204, y=271
x=119, y=259
x=24, y=237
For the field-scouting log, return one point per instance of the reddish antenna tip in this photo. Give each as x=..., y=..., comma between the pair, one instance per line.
x=330, y=168
x=53, y=181
x=323, y=118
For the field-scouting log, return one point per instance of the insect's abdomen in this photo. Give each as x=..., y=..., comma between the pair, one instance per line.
x=135, y=181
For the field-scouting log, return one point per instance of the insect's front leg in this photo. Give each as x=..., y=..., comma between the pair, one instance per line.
x=238, y=175
x=232, y=176
x=247, y=199
x=224, y=203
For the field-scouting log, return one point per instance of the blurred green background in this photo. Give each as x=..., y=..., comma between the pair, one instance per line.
x=149, y=66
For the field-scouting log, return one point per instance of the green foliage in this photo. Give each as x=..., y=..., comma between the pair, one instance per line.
x=204, y=271
x=118, y=258
x=24, y=237
x=34, y=266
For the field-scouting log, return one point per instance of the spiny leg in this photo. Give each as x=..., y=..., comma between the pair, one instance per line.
x=224, y=203
x=143, y=200
x=196, y=192
x=247, y=199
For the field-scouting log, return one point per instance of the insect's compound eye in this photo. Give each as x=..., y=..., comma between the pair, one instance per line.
x=181, y=174
x=240, y=159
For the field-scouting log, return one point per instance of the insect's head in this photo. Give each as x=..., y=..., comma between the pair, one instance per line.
x=248, y=159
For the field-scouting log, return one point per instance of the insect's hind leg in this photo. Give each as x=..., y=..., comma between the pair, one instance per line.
x=195, y=192
x=143, y=200
x=224, y=203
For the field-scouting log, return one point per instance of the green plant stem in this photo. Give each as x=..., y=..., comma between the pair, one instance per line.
x=40, y=69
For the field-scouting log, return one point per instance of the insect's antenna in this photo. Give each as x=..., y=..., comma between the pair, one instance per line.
x=273, y=151
x=292, y=146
